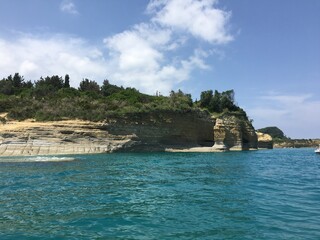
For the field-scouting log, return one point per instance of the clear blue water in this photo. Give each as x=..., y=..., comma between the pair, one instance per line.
x=271, y=194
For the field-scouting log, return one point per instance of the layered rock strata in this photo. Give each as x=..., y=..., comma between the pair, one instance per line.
x=159, y=131
x=193, y=131
x=51, y=138
x=234, y=133
x=138, y=132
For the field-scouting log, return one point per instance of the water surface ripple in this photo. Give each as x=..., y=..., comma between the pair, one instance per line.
x=272, y=194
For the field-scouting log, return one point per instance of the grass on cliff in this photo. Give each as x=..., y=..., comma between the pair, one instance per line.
x=52, y=98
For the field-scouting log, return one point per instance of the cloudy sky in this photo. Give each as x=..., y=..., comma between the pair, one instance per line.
x=268, y=51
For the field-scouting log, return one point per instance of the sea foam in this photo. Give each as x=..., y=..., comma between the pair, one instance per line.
x=37, y=159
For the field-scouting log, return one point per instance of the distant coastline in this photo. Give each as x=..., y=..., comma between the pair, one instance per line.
x=298, y=143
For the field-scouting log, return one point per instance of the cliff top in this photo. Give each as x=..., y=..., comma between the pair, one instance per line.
x=52, y=99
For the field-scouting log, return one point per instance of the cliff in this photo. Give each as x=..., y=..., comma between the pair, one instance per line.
x=234, y=133
x=194, y=130
x=158, y=131
x=62, y=137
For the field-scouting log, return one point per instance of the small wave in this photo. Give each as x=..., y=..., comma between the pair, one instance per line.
x=38, y=159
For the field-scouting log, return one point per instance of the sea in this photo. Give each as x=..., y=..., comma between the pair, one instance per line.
x=265, y=194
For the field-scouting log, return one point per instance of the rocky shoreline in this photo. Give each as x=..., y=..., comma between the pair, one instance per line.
x=298, y=143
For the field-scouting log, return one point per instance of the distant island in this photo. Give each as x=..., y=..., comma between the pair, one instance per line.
x=280, y=140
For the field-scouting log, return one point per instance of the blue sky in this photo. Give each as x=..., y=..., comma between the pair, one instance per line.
x=268, y=51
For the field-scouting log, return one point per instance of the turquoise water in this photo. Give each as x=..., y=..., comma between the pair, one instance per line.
x=271, y=194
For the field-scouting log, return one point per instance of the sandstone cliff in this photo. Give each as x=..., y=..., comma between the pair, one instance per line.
x=63, y=137
x=138, y=132
x=194, y=130
x=158, y=131
x=234, y=133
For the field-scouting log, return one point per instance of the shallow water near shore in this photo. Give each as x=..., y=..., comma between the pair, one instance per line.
x=266, y=194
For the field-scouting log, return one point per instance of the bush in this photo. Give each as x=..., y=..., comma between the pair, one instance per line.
x=3, y=120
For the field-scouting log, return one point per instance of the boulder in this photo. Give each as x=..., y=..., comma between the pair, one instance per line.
x=265, y=141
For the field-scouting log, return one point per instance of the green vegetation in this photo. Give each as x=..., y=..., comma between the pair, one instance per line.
x=221, y=103
x=52, y=98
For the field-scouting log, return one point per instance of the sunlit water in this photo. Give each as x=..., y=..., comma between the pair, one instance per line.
x=271, y=194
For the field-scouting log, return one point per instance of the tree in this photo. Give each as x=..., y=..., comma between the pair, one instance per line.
x=219, y=101
x=54, y=82
x=47, y=87
x=229, y=94
x=6, y=86
x=28, y=84
x=66, y=81
x=17, y=81
x=108, y=89
x=180, y=100
x=205, y=98
x=87, y=85
x=214, y=105
x=227, y=101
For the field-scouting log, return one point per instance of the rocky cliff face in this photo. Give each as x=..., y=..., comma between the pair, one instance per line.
x=234, y=133
x=158, y=131
x=63, y=137
x=137, y=132
x=264, y=141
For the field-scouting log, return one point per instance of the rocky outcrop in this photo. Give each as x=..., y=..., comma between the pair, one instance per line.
x=234, y=133
x=264, y=141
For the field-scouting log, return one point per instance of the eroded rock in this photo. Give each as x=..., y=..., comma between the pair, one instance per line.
x=264, y=141
x=234, y=133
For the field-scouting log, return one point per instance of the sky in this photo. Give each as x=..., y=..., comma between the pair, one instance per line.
x=268, y=51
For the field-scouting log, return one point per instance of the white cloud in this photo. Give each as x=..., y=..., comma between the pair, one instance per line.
x=297, y=115
x=146, y=56
x=198, y=17
x=138, y=58
x=68, y=6
x=33, y=57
